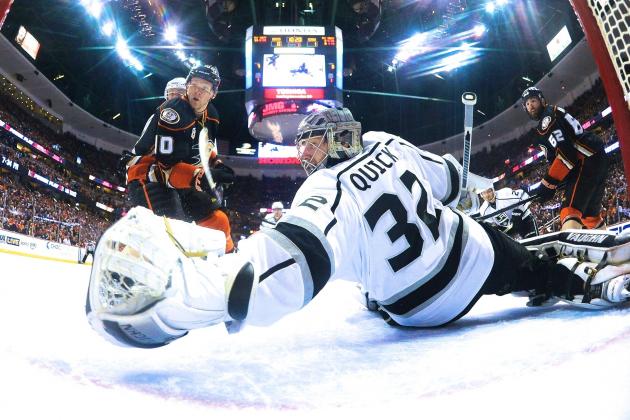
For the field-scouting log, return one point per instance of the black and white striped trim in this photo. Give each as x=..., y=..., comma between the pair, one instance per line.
x=431, y=286
x=452, y=191
x=308, y=248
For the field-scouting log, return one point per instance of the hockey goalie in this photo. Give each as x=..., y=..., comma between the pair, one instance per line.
x=374, y=209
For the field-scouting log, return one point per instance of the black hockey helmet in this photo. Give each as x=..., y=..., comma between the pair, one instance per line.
x=532, y=92
x=206, y=72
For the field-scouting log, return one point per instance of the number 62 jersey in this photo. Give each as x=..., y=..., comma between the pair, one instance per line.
x=564, y=142
x=381, y=219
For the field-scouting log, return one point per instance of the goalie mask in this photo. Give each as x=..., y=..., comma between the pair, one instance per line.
x=326, y=137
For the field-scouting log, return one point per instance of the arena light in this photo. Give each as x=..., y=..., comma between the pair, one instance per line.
x=136, y=64
x=95, y=8
x=410, y=47
x=108, y=28
x=122, y=49
x=490, y=7
x=501, y=3
x=464, y=55
x=479, y=30
x=170, y=33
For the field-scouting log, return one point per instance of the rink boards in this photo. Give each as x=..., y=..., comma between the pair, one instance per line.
x=16, y=243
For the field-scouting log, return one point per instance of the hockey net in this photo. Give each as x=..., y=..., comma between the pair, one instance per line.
x=606, y=24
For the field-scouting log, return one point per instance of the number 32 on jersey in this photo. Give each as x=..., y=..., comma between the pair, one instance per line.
x=392, y=203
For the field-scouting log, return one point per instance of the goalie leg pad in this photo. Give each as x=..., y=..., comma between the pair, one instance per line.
x=603, y=287
x=587, y=245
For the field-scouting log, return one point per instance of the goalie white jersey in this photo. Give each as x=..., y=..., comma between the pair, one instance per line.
x=505, y=197
x=381, y=219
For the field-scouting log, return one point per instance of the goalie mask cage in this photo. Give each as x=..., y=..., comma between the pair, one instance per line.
x=606, y=25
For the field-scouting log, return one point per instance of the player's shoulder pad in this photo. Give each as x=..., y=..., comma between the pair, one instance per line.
x=175, y=114
x=212, y=115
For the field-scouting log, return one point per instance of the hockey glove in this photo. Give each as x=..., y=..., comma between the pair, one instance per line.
x=222, y=173
x=517, y=218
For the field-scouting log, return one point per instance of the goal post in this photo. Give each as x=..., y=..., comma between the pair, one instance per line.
x=606, y=25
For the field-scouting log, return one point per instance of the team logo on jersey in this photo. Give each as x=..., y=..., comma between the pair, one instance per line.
x=169, y=115
x=545, y=122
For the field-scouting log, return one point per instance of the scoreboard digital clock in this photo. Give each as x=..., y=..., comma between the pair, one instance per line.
x=290, y=70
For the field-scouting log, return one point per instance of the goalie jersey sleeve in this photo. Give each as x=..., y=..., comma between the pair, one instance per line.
x=374, y=219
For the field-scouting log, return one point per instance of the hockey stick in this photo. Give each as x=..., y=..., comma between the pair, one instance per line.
x=511, y=206
x=204, y=154
x=469, y=99
x=555, y=219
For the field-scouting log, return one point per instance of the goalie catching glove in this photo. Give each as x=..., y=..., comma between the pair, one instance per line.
x=154, y=279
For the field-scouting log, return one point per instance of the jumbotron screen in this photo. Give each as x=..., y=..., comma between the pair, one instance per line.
x=290, y=70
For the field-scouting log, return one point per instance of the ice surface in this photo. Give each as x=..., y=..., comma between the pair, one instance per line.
x=503, y=360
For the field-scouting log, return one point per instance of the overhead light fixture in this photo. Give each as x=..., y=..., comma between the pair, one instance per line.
x=122, y=49
x=479, y=30
x=116, y=116
x=527, y=79
x=170, y=33
x=94, y=8
x=59, y=76
x=108, y=28
x=490, y=7
x=136, y=64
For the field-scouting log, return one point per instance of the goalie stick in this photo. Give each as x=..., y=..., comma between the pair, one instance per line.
x=510, y=207
x=469, y=99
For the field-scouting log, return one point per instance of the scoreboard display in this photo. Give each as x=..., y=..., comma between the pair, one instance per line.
x=290, y=70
